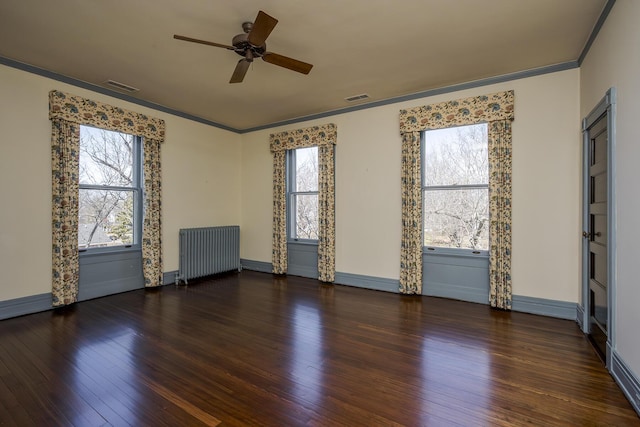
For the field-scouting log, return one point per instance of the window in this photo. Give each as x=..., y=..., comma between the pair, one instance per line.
x=302, y=190
x=110, y=189
x=455, y=187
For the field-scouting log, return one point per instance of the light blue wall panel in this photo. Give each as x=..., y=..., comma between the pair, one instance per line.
x=464, y=277
x=106, y=274
x=303, y=260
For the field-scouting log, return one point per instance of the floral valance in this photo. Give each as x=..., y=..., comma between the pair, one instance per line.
x=467, y=111
x=306, y=137
x=79, y=110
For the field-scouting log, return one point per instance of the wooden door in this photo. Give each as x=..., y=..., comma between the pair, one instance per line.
x=596, y=234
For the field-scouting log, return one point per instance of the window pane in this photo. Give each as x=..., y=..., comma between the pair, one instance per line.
x=456, y=156
x=106, y=157
x=306, y=215
x=307, y=169
x=457, y=218
x=106, y=218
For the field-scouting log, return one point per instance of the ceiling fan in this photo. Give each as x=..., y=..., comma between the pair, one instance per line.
x=251, y=44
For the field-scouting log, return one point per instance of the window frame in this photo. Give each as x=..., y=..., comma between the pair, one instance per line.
x=291, y=195
x=447, y=250
x=137, y=189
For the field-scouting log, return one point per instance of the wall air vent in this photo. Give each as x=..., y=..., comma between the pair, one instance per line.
x=121, y=86
x=355, y=98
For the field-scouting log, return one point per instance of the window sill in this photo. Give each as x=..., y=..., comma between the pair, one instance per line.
x=108, y=251
x=303, y=242
x=453, y=252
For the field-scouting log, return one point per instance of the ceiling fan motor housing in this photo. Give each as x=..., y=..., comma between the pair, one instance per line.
x=242, y=45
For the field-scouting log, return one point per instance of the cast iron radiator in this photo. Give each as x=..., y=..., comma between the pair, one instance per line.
x=208, y=250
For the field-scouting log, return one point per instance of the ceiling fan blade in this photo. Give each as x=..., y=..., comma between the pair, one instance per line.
x=240, y=71
x=286, y=62
x=262, y=27
x=189, y=39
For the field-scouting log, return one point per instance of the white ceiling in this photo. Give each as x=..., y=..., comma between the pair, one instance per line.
x=385, y=48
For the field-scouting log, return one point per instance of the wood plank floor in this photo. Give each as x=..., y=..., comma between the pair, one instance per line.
x=253, y=349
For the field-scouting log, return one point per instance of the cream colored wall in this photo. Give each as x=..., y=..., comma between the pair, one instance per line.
x=613, y=61
x=200, y=178
x=546, y=187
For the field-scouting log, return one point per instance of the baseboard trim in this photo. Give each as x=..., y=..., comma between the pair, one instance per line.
x=261, y=266
x=25, y=305
x=544, y=307
x=580, y=317
x=628, y=383
x=367, y=282
x=43, y=302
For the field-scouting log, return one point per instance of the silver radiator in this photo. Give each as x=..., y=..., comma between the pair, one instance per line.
x=208, y=250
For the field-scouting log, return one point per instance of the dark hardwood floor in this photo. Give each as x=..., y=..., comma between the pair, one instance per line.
x=253, y=349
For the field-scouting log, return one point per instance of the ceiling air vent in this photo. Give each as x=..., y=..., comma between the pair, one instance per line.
x=121, y=86
x=357, y=97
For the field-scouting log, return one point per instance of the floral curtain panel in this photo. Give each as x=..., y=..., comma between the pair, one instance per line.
x=65, y=151
x=279, y=247
x=411, y=244
x=325, y=137
x=500, y=213
x=67, y=112
x=326, y=214
x=498, y=110
x=152, y=215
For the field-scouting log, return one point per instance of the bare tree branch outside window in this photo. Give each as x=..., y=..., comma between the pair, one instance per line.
x=455, y=188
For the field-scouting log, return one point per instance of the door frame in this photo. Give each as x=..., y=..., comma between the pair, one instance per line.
x=607, y=105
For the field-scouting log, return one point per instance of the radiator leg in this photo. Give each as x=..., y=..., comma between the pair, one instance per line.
x=180, y=279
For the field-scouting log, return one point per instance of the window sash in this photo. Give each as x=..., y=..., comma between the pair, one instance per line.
x=113, y=149
x=120, y=216
x=451, y=221
x=293, y=216
x=297, y=186
x=442, y=151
